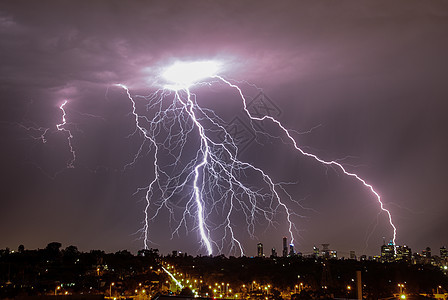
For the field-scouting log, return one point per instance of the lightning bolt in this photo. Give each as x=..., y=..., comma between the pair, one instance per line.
x=173, y=278
x=60, y=127
x=33, y=130
x=332, y=162
x=211, y=180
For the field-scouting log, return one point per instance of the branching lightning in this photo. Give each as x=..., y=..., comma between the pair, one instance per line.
x=36, y=132
x=332, y=162
x=211, y=179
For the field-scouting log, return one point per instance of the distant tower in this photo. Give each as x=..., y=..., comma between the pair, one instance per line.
x=285, y=247
x=260, y=250
x=273, y=253
x=427, y=252
x=291, y=250
x=443, y=253
x=325, y=251
x=352, y=254
x=315, y=252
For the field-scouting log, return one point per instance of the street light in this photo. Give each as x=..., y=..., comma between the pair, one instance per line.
x=110, y=289
x=56, y=290
x=402, y=295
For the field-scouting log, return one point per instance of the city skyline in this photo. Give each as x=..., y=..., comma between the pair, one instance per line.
x=359, y=84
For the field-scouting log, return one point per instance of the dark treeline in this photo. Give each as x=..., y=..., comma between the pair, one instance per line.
x=54, y=271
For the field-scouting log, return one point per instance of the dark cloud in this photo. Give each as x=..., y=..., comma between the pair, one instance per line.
x=370, y=74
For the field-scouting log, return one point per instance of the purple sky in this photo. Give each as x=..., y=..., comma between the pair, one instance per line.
x=370, y=75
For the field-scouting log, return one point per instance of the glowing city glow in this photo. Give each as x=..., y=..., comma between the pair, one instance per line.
x=213, y=177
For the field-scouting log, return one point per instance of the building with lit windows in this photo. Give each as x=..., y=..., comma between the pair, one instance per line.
x=260, y=250
x=388, y=252
x=403, y=253
x=325, y=253
x=427, y=252
x=315, y=252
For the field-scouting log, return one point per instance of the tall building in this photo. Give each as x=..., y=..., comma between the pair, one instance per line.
x=427, y=252
x=443, y=253
x=352, y=254
x=388, y=252
x=291, y=250
x=285, y=247
x=403, y=253
x=273, y=253
x=260, y=250
x=325, y=251
x=316, y=251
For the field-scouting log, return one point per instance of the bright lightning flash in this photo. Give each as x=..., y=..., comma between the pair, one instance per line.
x=212, y=180
x=173, y=278
x=182, y=75
x=61, y=127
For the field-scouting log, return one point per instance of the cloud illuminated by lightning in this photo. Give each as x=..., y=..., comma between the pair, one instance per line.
x=182, y=75
x=211, y=179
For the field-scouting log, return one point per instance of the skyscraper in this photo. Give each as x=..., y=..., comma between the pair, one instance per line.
x=443, y=253
x=388, y=252
x=316, y=252
x=325, y=251
x=291, y=250
x=260, y=250
x=352, y=254
x=285, y=247
x=403, y=253
x=427, y=252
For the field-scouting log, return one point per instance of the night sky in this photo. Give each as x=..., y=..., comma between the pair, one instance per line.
x=362, y=81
